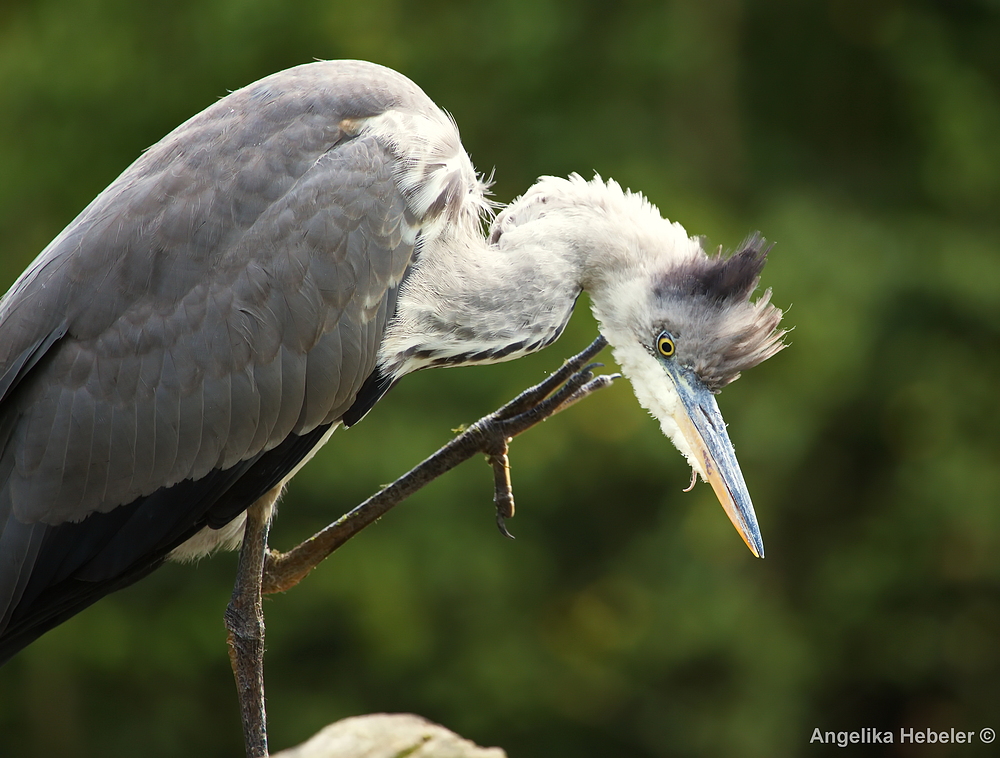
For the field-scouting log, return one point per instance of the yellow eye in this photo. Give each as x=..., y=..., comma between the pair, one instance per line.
x=665, y=345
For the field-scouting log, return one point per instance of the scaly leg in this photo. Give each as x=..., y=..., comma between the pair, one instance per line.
x=245, y=624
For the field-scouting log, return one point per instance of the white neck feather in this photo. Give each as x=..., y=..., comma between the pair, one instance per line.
x=475, y=300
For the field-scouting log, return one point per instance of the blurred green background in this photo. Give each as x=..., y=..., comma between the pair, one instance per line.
x=627, y=619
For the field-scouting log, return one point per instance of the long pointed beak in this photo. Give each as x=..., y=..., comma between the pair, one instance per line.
x=712, y=453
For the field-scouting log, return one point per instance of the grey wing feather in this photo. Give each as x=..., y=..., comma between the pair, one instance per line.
x=196, y=330
x=222, y=294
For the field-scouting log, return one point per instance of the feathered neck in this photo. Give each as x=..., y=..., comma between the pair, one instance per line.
x=474, y=300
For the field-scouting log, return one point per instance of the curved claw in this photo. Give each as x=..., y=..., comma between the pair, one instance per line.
x=502, y=525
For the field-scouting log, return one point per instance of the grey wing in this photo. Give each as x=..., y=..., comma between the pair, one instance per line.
x=189, y=338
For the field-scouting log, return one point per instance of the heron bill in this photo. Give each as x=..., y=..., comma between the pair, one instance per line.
x=712, y=455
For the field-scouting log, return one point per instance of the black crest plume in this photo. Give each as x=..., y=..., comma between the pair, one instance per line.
x=734, y=277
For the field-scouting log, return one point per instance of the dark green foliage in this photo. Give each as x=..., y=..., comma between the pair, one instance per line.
x=627, y=619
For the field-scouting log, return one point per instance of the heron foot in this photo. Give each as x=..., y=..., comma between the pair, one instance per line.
x=573, y=381
x=503, y=493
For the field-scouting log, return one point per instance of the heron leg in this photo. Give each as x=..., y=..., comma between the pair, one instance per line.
x=245, y=626
x=490, y=435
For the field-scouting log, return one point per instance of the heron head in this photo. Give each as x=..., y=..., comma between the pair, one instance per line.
x=681, y=321
x=681, y=330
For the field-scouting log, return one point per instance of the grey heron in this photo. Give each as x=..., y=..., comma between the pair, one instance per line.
x=266, y=272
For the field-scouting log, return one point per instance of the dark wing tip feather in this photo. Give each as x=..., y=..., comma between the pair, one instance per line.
x=77, y=563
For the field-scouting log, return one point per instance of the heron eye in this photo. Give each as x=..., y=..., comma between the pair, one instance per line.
x=665, y=345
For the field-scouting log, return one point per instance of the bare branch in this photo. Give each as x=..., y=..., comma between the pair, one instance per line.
x=490, y=435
